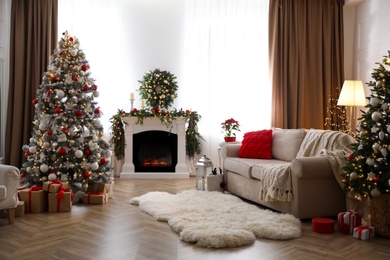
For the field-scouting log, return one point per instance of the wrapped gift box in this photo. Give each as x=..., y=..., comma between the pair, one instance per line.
x=107, y=188
x=213, y=182
x=35, y=199
x=20, y=209
x=322, y=225
x=95, y=198
x=54, y=186
x=348, y=220
x=363, y=232
x=61, y=201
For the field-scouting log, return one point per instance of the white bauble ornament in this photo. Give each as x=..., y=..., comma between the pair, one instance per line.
x=44, y=167
x=381, y=135
x=94, y=166
x=73, y=52
x=32, y=149
x=370, y=161
x=28, y=169
x=378, y=83
x=353, y=176
x=375, y=192
x=96, y=94
x=375, y=146
x=388, y=128
x=385, y=106
x=78, y=154
x=42, y=126
x=97, y=123
x=46, y=144
x=52, y=177
x=374, y=101
x=384, y=152
x=37, y=122
x=85, y=186
x=376, y=116
x=108, y=153
x=370, y=176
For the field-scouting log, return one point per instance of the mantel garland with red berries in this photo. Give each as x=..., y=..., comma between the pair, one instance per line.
x=193, y=137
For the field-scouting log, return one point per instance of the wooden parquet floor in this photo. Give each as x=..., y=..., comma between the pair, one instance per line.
x=119, y=230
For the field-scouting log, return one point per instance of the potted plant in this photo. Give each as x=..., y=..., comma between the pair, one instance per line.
x=228, y=126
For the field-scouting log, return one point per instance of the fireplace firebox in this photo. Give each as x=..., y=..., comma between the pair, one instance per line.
x=155, y=151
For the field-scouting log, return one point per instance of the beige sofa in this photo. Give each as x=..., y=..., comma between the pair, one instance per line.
x=299, y=179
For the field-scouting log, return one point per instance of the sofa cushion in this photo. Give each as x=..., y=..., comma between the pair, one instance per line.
x=286, y=143
x=256, y=145
x=3, y=192
x=241, y=166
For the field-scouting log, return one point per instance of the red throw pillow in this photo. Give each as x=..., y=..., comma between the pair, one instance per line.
x=257, y=145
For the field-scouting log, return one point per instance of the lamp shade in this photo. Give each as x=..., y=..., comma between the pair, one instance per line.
x=352, y=94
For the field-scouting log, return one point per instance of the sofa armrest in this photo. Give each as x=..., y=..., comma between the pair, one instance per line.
x=230, y=150
x=311, y=168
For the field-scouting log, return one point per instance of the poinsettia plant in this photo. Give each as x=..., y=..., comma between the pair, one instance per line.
x=230, y=125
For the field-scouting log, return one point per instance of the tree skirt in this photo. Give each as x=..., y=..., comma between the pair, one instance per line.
x=215, y=220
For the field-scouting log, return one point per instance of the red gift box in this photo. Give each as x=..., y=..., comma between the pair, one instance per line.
x=349, y=220
x=363, y=232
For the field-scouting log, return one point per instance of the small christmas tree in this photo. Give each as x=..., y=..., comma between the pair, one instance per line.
x=67, y=140
x=367, y=171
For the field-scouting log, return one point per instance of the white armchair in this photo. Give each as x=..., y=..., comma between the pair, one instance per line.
x=9, y=183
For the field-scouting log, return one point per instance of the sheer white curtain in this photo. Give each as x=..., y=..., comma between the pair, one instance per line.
x=218, y=49
x=226, y=66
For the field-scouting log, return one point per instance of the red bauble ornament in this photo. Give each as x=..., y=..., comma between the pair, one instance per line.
x=376, y=179
x=64, y=129
x=87, y=152
x=188, y=111
x=86, y=87
x=49, y=132
x=22, y=175
x=62, y=151
x=58, y=110
x=84, y=67
x=27, y=153
x=94, y=87
x=35, y=101
x=75, y=78
x=164, y=112
x=71, y=39
x=97, y=111
x=86, y=175
x=103, y=161
x=135, y=109
x=78, y=113
x=48, y=92
x=351, y=156
x=53, y=78
x=61, y=52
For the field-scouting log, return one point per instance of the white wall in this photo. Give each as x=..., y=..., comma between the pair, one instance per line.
x=5, y=10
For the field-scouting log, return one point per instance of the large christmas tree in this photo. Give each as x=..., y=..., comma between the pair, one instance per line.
x=67, y=139
x=367, y=171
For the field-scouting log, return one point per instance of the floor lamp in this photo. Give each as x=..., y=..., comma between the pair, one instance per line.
x=352, y=95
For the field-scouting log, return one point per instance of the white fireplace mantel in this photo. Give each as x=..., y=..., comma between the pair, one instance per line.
x=154, y=124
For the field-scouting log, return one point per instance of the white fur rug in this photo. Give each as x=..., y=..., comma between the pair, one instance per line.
x=216, y=220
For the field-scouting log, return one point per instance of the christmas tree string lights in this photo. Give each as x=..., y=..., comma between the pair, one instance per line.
x=67, y=139
x=367, y=170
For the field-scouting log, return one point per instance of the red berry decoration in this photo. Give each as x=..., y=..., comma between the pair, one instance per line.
x=86, y=87
x=86, y=175
x=78, y=113
x=97, y=111
x=58, y=110
x=188, y=111
x=351, y=156
x=103, y=161
x=87, y=152
x=135, y=109
x=49, y=132
x=62, y=151
x=35, y=101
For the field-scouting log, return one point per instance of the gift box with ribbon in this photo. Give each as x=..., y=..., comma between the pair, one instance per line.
x=348, y=220
x=61, y=201
x=20, y=209
x=363, y=232
x=54, y=186
x=35, y=199
x=95, y=198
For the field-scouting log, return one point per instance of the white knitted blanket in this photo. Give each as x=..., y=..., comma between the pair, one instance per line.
x=334, y=145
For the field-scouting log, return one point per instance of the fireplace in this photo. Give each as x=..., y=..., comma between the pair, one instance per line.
x=153, y=150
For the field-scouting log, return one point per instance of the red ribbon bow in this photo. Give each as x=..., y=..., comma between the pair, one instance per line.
x=60, y=196
x=360, y=229
x=33, y=188
x=56, y=181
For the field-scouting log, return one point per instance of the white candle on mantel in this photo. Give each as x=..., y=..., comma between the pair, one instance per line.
x=132, y=95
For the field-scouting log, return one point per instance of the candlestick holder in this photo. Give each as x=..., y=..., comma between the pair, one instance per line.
x=132, y=104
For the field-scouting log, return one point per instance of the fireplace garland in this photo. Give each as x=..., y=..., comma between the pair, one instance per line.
x=193, y=137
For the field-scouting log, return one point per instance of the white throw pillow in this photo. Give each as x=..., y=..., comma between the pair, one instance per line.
x=286, y=143
x=3, y=192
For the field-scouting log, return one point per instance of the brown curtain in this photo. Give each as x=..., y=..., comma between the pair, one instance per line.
x=33, y=39
x=306, y=60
